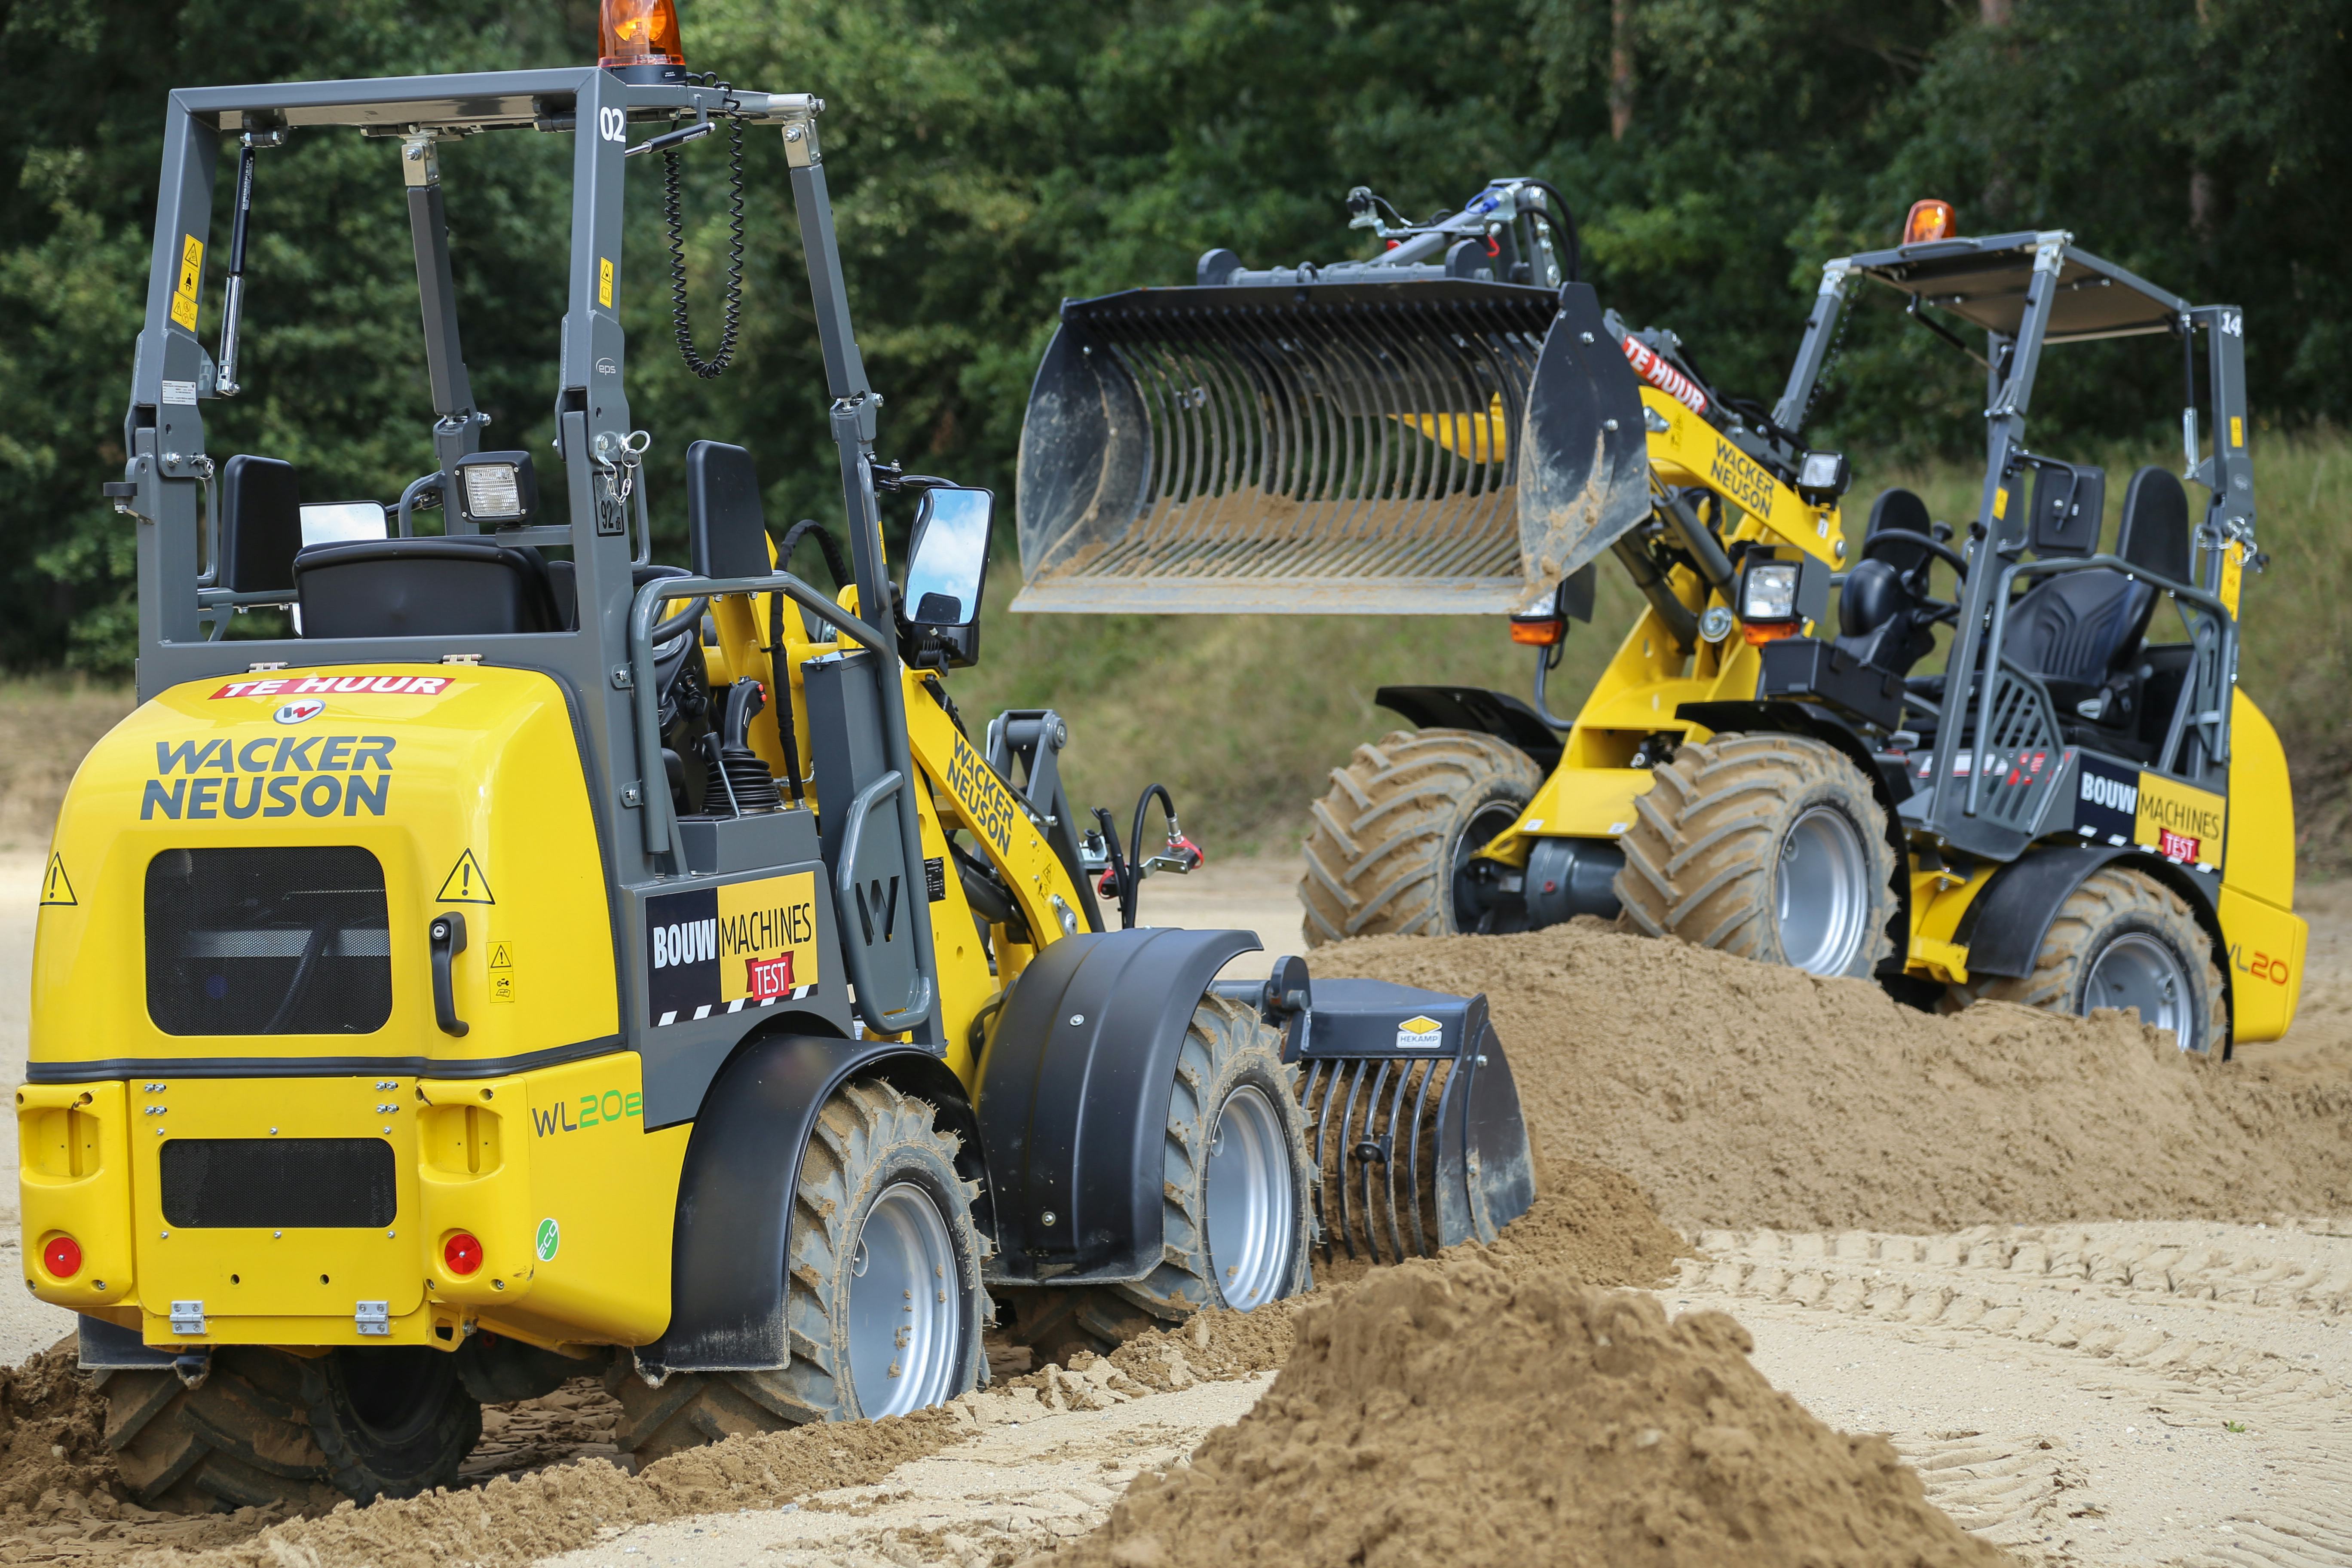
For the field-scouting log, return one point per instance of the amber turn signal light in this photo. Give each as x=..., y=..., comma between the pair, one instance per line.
x=1930, y=220
x=1546, y=632
x=462, y=1254
x=639, y=33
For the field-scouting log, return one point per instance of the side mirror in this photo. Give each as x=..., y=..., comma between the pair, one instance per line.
x=260, y=526
x=947, y=568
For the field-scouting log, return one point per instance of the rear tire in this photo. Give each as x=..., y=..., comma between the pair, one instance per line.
x=1401, y=823
x=1771, y=846
x=242, y=1439
x=2124, y=939
x=392, y=1422
x=883, y=1303
x=1236, y=1192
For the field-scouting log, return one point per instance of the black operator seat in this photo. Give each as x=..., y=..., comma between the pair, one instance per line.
x=461, y=585
x=1882, y=612
x=2083, y=632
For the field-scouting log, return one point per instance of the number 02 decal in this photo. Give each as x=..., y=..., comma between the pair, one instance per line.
x=613, y=124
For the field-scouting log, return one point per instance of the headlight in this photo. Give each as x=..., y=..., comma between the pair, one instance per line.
x=498, y=490
x=1821, y=471
x=1768, y=592
x=492, y=492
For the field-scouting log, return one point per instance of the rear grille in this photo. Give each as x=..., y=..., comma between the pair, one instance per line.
x=277, y=1183
x=268, y=941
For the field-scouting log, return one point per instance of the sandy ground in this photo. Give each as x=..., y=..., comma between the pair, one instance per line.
x=1025, y=1483
x=2121, y=1393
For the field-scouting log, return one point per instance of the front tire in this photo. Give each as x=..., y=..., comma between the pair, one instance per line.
x=1771, y=846
x=1394, y=838
x=883, y=1303
x=2123, y=940
x=1236, y=1196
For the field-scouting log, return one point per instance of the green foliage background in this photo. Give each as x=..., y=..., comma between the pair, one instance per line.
x=987, y=159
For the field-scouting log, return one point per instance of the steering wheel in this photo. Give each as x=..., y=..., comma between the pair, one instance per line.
x=1936, y=547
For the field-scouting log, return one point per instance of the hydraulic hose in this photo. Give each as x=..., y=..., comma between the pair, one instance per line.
x=1566, y=227
x=1659, y=592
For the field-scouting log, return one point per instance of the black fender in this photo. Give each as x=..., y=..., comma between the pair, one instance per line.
x=735, y=1192
x=2003, y=927
x=1495, y=713
x=1073, y=1101
x=1890, y=782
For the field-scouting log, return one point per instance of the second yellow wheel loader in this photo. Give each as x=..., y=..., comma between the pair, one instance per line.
x=2082, y=810
x=538, y=961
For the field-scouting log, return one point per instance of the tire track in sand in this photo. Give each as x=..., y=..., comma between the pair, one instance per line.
x=2134, y=1393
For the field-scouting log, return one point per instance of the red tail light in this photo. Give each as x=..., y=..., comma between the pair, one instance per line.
x=462, y=1254
x=62, y=1255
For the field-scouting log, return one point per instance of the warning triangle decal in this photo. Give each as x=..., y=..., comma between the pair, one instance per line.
x=55, y=889
x=466, y=884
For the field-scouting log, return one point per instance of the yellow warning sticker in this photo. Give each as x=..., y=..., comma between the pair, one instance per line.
x=2233, y=577
x=192, y=280
x=2237, y=430
x=604, y=281
x=55, y=888
x=2001, y=503
x=502, y=971
x=466, y=884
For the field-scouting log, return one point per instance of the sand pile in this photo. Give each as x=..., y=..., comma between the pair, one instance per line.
x=1470, y=1412
x=1738, y=1094
x=52, y=1432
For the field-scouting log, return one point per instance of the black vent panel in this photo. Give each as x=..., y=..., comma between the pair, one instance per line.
x=268, y=941
x=253, y=1182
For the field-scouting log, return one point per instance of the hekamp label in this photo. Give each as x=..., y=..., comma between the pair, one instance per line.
x=270, y=775
x=746, y=944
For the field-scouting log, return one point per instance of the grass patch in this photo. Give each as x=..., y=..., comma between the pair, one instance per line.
x=46, y=725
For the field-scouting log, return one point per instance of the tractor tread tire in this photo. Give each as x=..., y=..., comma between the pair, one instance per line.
x=1700, y=853
x=1379, y=855
x=2110, y=897
x=427, y=1458
x=242, y=1438
x=1225, y=1045
x=859, y=1131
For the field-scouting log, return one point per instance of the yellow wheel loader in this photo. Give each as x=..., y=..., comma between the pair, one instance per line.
x=2082, y=810
x=505, y=958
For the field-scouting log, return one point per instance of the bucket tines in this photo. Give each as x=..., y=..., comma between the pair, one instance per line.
x=1343, y=447
x=1413, y=1121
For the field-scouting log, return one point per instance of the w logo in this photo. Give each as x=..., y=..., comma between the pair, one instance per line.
x=877, y=904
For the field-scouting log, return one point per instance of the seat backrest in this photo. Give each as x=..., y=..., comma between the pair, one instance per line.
x=2078, y=627
x=1898, y=508
x=260, y=524
x=461, y=586
x=2155, y=531
x=2067, y=506
x=726, y=529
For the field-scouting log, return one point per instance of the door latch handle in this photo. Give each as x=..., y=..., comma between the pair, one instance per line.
x=448, y=937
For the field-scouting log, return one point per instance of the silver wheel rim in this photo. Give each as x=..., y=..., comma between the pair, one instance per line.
x=1822, y=892
x=2139, y=972
x=1249, y=1200
x=904, y=1294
